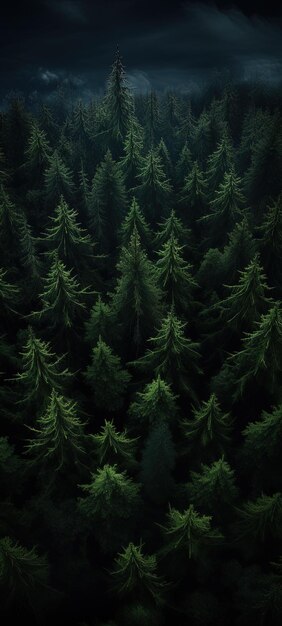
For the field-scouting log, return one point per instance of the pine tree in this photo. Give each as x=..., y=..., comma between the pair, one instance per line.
x=152, y=120
x=193, y=194
x=135, y=220
x=260, y=359
x=58, y=180
x=136, y=300
x=58, y=439
x=155, y=405
x=112, y=446
x=41, y=370
x=9, y=228
x=210, y=428
x=165, y=158
x=130, y=162
x=22, y=572
x=220, y=163
x=262, y=445
x=202, y=139
x=29, y=257
x=172, y=226
x=271, y=240
x=173, y=356
x=190, y=532
x=9, y=295
x=213, y=489
x=66, y=237
x=111, y=502
x=261, y=518
x=183, y=165
x=157, y=464
x=106, y=373
x=248, y=298
x=63, y=300
x=239, y=251
x=119, y=103
x=175, y=278
x=154, y=189
x=101, y=323
x=136, y=573
x=37, y=154
x=225, y=209
x=107, y=201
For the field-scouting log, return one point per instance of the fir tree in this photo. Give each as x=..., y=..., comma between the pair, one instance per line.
x=175, y=278
x=226, y=209
x=172, y=226
x=193, y=194
x=112, y=446
x=136, y=300
x=37, y=154
x=135, y=220
x=156, y=404
x=260, y=359
x=157, y=464
x=119, y=103
x=58, y=180
x=130, y=162
x=190, y=532
x=136, y=573
x=106, y=373
x=262, y=448
x=173, y=356
x=165, y=158
x=239, y=251
x=111, y=502
x=213, y=489
x=100, y=323
x=261, y=518
x=154, y=189
x=210, y=428
x=202, y=138
x=9, y=228
x=220, y=163
x=22, y=572
x=183, y=165
x=58, y=439
x=9, y=295
x=152, y=121
x=271, y=240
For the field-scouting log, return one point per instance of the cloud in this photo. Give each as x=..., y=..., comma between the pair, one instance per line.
x=72, y=10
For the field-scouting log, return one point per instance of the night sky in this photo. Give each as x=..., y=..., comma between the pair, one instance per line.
x=163, y=44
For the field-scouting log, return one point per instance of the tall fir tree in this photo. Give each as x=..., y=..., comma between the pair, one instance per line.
x=105, y=372
x=113, y=447
x=133, y=145
x=118, y=102
x=23, y=574
x=270, y=241
x=136, y=574
x=209, y=430
x=154, y=405
x=58, y=181
x=226, y=209
x=154, y=189
x=190, y=532
x=220, y=163
x=175, y=278
x=101, y=323
x=37, y=154
x=172, y=226
x=135, y=220
x=213, y=489
x=193, y=195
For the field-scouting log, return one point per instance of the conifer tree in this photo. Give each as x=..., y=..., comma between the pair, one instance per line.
x=165, y=158
x=41, y=370
x=225, y=209
x=136, y=300
x=213, y=489
x=210, y=428
x=9, y=228
x=101, y=323
x=152, y=120
x=172, y=226
x=239, y=251
x=66, y=237
x=260, y=358
x=154, y=189
x=119, y=103
x=58, y=439
x=262, y=445
x=173, y=356
x=175, y=278
x=106, y=373
x=136, y=573
x=248, y=297
x=9, y=295
x=263, y=177
x=107, y=201
x=135, y=220
x=37, y=154
x=29, y=257
x=202, y=139
x=58, y=180
x=190, y=532
x=23, y=573
x=130, y=162
x=155, y=404
x=183, y=165
x=80, y=130
x=261, y=518
x=157, y=464
x=271, y=240
x=111, y=502
x=112, y=446
x=193, y=194
x=220, y=163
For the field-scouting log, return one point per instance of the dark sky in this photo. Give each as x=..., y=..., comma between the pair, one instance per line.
x=164, y=44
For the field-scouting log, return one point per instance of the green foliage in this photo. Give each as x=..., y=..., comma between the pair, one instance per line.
x=100, y=323
x=263, y=441
x=154, y=189
x=193, y=194
x=220, y=163
x=133, y=144
x=225, y=209
x=37, y=153
x=135, y=220
x=58, y=180
x=213, y=489
x=22, y=571
x=156, y=404
x=157, y=464
x=118, y=101
x=174, y=277
x=135, y=572
x=172, y=226
x=183, y=165
x=261, y=518
x=190, y=532
x=210, y=428
x=106, y=377
x=112, y=446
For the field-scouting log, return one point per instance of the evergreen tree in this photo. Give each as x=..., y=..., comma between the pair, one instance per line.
x=106, y=373
x=226, y=209
x=152, y=120
x=271, y=241
x=119, y=103
x=9, y=295
x=111, y=502
x=183, y=165
x=29, y=257
x=175, y=278
x=202, y=139
x=155, y=405
x=239, y=251
x=157, y=464
x=135, y=220
x=172, y=226
x=193, y=194
x=112, y=446
x=137, y=297
x=66, y=237
x=9, y=228
x=41, y=370
x=136, y=573
x=190, y=532
x=37, y=154
x=101, y=323
x=130, y=162
x=261, y=518
x=22, y=573
x=210, y=428
x=262, y=445
x=173, y=356
x=165, y=158
x=58, y=180
x=107, y=201
x=154, y=189
x=260, y=359
x=58, y=435
x=220, y=163
x=213, y=489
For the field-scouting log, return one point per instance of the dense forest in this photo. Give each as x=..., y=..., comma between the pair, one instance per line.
x=141, y=357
